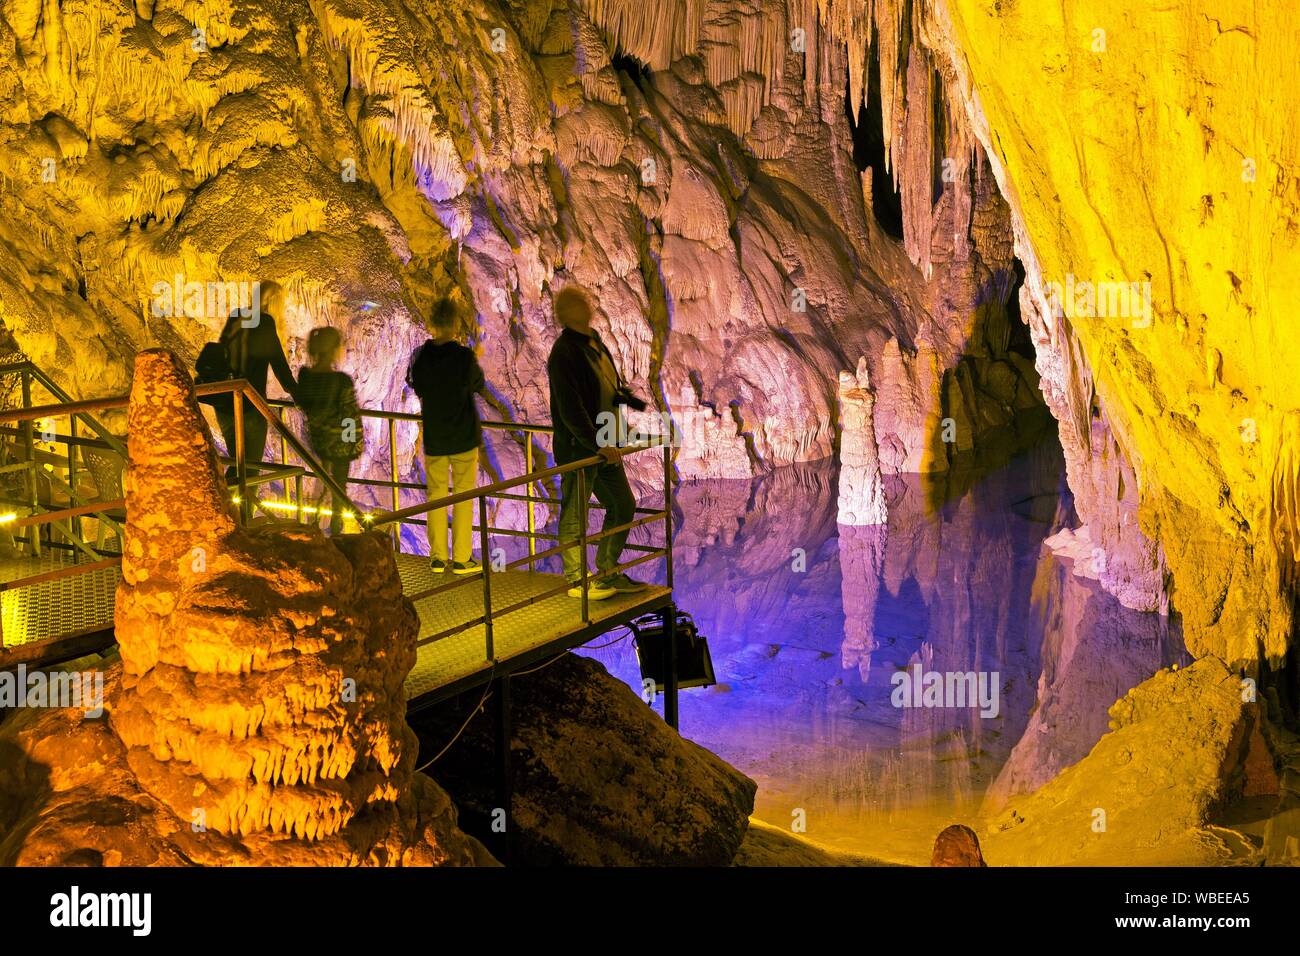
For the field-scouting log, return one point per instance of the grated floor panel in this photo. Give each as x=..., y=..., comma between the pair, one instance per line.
x=83, y=603
x=76, y=604
x=536, y=625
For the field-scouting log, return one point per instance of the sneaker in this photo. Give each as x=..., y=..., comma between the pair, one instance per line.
x=623, y=584
x=438, y=565
x=597, y=590
x=465, y=567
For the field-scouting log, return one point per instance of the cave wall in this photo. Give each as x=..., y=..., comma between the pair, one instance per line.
x=691, y=163
x=1158, y=146
x=693, y=166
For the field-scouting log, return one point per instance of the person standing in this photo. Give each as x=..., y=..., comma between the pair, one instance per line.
x=446, y=376
x=586, y=390
x=328, y=397
x=251, y=349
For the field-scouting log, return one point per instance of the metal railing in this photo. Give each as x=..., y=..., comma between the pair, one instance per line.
x=585, y=540
x=18, y=424
x=530, y=488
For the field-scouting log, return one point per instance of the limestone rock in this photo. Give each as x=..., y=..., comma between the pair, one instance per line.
x=599, y=778
x=1148, y=791
x=862, y=498
x=1193, y=369
x=1094, y=650
x=957, y=845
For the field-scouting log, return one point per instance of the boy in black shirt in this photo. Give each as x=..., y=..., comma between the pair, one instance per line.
x=446, y=376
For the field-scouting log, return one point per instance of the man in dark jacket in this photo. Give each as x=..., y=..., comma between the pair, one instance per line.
x=446, y=376
x=253, y=348
x=586, y=390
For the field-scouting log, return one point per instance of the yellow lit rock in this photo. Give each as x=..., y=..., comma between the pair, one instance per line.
x=1144, y=144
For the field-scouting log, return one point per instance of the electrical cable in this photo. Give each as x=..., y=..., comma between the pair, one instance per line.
x=487, y=689
x=478, y=708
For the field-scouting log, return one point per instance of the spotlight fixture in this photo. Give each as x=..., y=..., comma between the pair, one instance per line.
x=694, y=663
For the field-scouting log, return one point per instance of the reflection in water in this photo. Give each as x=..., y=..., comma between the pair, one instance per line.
x=809, y=623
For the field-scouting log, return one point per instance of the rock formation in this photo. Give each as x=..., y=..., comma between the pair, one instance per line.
x=1197, y=206
x=862, y=499
x=1149, y=791
x=1094, y=650
x=371, y=156
x=957, y=845
x=257, y=715
x=598, y=777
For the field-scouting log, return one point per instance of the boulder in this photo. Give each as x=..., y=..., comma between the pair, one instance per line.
x=598, y=777
x=957, y=845
x=1149, y=791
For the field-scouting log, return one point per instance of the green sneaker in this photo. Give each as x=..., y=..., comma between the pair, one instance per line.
x=623, y=584
x=597, y=590
x=465, y=567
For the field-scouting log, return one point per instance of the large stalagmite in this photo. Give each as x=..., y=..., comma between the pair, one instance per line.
x=862, y=497
x=258, y=714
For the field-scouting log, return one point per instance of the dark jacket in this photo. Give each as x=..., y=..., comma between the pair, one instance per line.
x=255, y=350
x=329, y=399
x=446, y=377
x=245, y=353
x=575, y=394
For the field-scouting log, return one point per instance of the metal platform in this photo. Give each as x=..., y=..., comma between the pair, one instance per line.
x=67, y=607
x=521, y=638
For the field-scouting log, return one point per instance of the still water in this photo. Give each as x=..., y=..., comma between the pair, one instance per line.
x=812, y=625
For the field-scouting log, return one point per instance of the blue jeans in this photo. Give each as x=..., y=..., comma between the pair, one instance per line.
x=608, y=482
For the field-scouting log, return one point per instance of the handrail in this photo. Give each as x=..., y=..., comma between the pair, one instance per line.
x=259, y=403
x=67, y=404
x=19, y=421
x=491, y=491
x=385, y=414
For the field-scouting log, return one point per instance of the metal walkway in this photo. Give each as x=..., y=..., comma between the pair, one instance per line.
x=73, y=610
x=542, y=628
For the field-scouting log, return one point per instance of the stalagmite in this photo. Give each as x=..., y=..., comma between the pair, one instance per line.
x=862, y=497
x=258, y=713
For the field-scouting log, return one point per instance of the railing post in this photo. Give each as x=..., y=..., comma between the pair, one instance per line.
x=33, y=497
x=284, y=453
x=297, y=494
x=485, y=570
x=75, y=523
x=670, y=655
x=668, y=514
x=241, y=469
x=582, y=539
x=505, y=796
x=528, y=492
x=397, y=492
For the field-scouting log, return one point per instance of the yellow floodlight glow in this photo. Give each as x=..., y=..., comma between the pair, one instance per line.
x=305, y=509
x=8, y=517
